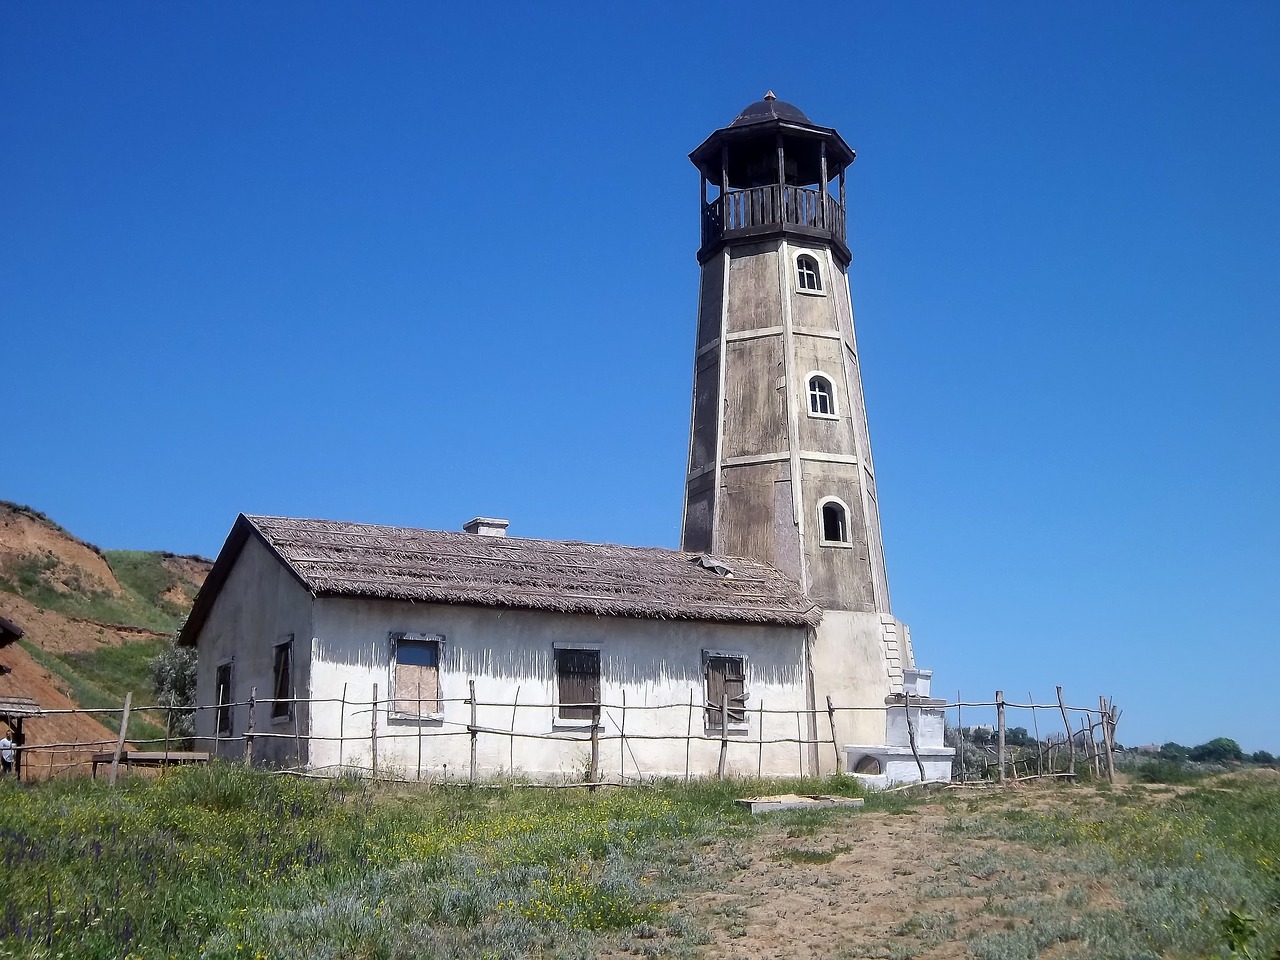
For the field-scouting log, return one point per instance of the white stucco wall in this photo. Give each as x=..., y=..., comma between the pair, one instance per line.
x=509, y=653
x=858, y=659
x=259, y=605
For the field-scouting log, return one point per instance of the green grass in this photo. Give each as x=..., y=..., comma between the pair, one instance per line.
x=143, y=577
x=117, y=670
x=1194, y=875
x=32, y=578
x=145, y=574
x=223, y=862
x=100, y=680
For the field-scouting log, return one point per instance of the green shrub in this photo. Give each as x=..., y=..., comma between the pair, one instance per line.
x=1166, y=771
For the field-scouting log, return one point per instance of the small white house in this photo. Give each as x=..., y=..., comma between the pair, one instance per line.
x=318, y=620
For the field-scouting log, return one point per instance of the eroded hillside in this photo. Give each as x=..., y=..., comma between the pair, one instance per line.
x=92, y=620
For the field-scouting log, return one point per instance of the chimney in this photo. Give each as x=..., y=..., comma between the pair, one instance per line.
x=487, y=527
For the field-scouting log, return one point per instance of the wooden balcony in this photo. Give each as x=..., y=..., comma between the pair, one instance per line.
x=763, y=211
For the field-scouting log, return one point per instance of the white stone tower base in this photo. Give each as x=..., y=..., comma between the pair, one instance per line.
x=885, y=765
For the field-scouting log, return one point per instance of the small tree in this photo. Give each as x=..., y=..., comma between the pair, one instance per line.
x=173, y=674
x=1173, y=752
x=1262, y=756
x=1217, y=750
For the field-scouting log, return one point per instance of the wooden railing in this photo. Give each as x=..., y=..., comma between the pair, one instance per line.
x=755, y=208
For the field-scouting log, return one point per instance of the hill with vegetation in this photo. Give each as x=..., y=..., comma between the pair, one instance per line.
x=93, y=620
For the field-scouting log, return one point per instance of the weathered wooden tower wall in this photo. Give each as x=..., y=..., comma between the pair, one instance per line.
x=762, y=462
x=780, y=465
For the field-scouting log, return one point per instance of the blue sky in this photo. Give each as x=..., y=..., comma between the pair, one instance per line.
x=410, y=263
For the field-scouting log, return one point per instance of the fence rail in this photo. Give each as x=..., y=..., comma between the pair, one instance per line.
x=1089, y=742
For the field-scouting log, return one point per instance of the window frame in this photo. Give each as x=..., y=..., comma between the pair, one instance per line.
x=395, y=638
x=557, y=717
x=831, y=395
x=224, y=710
x=284, y=643
x=821, y=289
x=847, y=543
x=710, y=715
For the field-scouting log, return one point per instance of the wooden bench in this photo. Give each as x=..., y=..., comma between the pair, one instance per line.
x=150, y=758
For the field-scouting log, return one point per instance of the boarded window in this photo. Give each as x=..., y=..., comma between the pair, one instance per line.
x=225, y=696
x=416, y=678
x=282, y=683
x=726, y=677
x=578, y=683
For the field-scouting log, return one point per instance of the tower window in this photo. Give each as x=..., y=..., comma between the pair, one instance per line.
x=808, y=278
x=835, y=522
x=822, y=400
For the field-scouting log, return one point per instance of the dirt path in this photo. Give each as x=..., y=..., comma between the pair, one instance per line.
x=870, y=885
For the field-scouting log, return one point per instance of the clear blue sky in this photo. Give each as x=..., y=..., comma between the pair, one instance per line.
x=408, y=263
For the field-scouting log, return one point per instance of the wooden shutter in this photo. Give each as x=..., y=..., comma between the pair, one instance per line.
x=417, y=677
x=726, y=676
x=578, y=683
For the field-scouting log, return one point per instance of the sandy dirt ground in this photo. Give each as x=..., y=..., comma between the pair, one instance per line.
x=870, y=884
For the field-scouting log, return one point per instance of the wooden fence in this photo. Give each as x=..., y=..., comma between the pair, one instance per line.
x=1088, y=745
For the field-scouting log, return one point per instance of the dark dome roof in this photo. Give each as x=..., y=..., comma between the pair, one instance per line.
x=770, y=108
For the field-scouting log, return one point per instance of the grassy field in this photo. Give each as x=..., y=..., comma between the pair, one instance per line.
x=101, y=678
x=220, y=862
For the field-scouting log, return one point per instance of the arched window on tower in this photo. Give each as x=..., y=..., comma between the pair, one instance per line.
x=808, y=278
x=822, y=400
x=835, y=522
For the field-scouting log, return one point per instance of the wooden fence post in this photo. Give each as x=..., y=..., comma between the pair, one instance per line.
x=959, y=737
x=831, y=715
x=124, y=726
x=622, y=741
x=419, y=726
x=1105, y=714
x=593, y=774
x=760, y=745
x=373, y=734
x=1071, y=744
x=1000, y=732
x=1093, y=745
x=1039, y=746
x=511, y=741
x=168, y=725
x=688, y=741
x=217, y=723
x=297, y=729
x=800, y=739
x=724, y=736
x=342, y=726
x=911, y=732
x=248, y=731
x=471, y=728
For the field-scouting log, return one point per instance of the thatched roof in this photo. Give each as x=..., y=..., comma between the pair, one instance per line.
x=334, y=559
x=14, y=707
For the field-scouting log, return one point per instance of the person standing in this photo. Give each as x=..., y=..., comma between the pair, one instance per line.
x=7, y=754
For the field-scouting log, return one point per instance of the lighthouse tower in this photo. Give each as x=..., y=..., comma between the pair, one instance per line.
x=780, y=465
